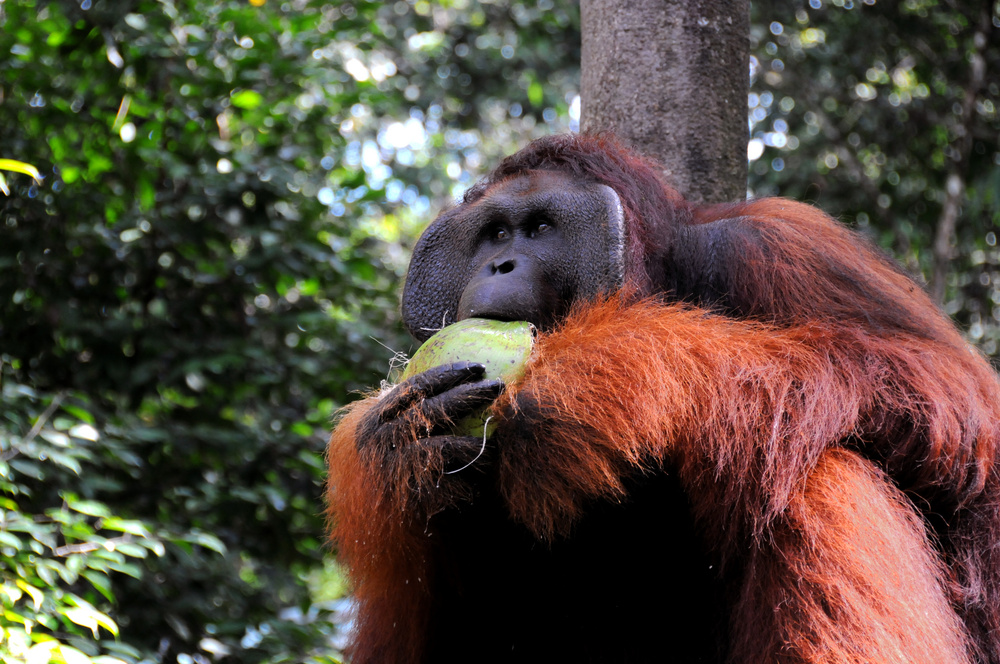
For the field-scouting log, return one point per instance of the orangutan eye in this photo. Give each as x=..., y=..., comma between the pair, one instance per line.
x=539, y=228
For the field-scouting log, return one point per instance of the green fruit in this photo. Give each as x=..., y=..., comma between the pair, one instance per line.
x=502, y=347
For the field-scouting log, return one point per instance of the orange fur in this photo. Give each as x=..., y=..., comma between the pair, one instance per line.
x=835, y=442
x=745, y=406
x=860, y=581
x=381, y=548
x=746, y=413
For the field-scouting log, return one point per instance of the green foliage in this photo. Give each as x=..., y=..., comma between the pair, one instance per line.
x=207, y=270
x=868, y=108
x=209, y=265
x=58, y=550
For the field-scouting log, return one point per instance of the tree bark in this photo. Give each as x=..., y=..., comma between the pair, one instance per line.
x=671, y=78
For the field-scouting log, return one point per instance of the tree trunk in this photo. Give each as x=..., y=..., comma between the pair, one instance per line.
x=671, y=78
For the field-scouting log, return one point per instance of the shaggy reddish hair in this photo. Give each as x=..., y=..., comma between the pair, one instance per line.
x=835, y=438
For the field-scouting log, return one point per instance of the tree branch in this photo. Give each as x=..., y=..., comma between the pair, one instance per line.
x=39, y=423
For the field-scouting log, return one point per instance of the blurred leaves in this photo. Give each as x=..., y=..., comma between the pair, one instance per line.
x=16, y=167
x=208, y=270
x=58, y=550
x=870, y=109
x=209, y=265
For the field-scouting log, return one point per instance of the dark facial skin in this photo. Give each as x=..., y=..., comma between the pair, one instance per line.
x=523, y=248
x=521, y=258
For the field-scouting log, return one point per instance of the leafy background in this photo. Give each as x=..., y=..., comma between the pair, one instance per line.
x=210, y=266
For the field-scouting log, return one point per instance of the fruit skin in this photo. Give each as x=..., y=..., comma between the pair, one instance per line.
x=503, y=347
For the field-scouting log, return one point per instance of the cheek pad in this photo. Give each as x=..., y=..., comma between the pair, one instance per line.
x=588, y=215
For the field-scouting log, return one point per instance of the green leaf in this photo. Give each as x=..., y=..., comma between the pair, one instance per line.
x=9, y=539
x=87, y=616
x=79, y=413
x=248, y=99
x=12, y=592
x=130, y=526
x=100, y=582
x=147, y=194
x=29, y=468
x=37, y=596
x=208, y=541
x=47, y=570
x=536, y=93
x=70, y=174
x=41, y=653
x=88, y=507
x=129, y=570
x=131, y=550
x=71, y=655
x=15, y=617
x=20, y=167
x=66, y=461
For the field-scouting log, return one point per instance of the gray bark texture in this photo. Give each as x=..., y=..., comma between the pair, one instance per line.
x=670, y=77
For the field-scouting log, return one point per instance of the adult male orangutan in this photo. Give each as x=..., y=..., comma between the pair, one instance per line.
x=744, y=436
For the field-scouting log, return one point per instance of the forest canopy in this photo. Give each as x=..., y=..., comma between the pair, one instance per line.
x=209, y=265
